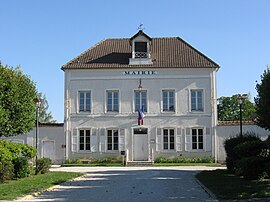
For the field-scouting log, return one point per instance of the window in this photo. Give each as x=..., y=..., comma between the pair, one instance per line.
x=168, y=139
x=141, y=100
x=85, y=101
x=168, y=101
x=197, y=100
x=112, y=140
x=112, y=101
x=140, y=49
x=84, y=140
x=197, y=138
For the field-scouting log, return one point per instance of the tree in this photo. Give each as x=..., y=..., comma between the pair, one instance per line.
x=262, y=100
x=228, y=109
x=17, y=108
x=44, y=115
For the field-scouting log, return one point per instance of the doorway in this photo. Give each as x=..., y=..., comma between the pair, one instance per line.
x=140, y=144
x=48, y=150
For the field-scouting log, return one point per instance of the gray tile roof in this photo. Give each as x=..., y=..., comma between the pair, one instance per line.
x=168, y=52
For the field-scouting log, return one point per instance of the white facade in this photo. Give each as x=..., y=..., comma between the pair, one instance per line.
x=150, y=145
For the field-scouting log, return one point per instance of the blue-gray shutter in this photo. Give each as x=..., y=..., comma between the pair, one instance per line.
x=159, y=139
x=102, y=140
x=74, y=140
x=188, y=139
x=93, y=140
x=122, y=140
x=178, y=139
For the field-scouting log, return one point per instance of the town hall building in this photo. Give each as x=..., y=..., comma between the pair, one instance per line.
x=142, y=96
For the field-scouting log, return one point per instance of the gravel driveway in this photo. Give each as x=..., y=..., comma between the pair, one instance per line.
x=129, y=184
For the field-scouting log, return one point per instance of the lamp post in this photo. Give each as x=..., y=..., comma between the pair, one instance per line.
x=37, y=102
x=241, y=98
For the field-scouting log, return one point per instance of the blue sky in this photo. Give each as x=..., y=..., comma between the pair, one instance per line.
x=41, y=36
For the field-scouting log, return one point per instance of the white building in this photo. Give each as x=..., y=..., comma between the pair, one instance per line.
x=51, y=141
x=107, y=84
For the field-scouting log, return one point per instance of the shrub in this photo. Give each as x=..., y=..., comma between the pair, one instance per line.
x=252, y=168
x=21, y=167
x=250, y=148
x=43, y=165
x=12, y=150
x=183, y=160
x=231, y=143
x=6, y=170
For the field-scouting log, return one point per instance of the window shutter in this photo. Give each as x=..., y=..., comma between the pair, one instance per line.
x=122, y=140
x=74, y=141
x=93, y=140
x=159, y=140
x=188, y=140
x=208, y=140
x=102, y=139
x=178, y=139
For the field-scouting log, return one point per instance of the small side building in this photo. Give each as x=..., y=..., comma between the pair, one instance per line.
x=51, y=141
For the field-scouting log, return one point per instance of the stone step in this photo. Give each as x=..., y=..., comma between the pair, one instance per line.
x=139, y=163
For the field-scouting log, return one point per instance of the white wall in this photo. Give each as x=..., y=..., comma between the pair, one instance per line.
x=226, y=131
x=53, y=133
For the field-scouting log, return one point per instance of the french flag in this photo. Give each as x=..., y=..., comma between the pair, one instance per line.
x=141, y=115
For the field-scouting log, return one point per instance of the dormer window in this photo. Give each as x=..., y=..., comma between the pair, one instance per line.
x=141, y=49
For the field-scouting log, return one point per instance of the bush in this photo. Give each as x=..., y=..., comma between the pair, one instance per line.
x=6, y=170
x=250, y=148
x=231, y=143
x=43, y=165
x=252, y=168
x=11, y=150
x=21, y=167
x=183, y=160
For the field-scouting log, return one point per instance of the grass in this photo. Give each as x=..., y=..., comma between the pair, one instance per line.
x=94, y=165
x=17, y=188
x=229, y=186
x=186, y=164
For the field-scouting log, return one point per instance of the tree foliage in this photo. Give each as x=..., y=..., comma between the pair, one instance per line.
x=228, y=109
x=17, y=109
x=262, y=100
x=44, y=115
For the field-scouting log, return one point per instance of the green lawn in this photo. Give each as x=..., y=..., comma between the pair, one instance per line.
x=186, y=164
x=229, y=186
x=16, y=188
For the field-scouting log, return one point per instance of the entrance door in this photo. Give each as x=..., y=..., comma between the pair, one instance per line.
x=48, y=149
x=140, y=144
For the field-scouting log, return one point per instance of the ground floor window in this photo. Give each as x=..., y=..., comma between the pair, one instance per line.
x=197, y=138
x=168, y=139
x=84, y=140
x=112, y=140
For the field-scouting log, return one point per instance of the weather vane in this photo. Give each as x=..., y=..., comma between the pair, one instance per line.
x=141, y=28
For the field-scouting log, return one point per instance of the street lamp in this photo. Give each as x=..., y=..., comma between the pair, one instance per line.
x=241, y=98
x=37, y=102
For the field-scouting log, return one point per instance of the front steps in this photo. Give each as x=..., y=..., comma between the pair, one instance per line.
x=139, y=163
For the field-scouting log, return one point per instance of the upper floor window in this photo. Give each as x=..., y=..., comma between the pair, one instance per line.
x=168, y=101
x=85, y=101
x=84, y=140
x=140, y=49
x=197, y=100
x=141, y=100
x=112, y=140
x=168, y=139
x=112, y=101
x=197, y=138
